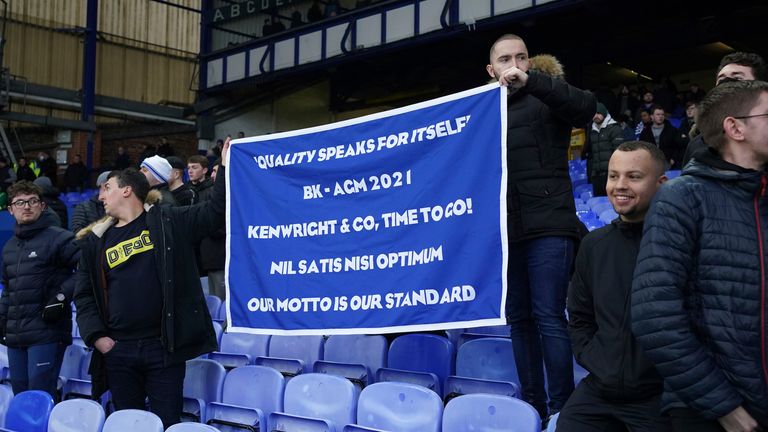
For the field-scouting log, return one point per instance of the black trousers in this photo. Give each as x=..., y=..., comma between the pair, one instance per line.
x=136, y=371
x=587, y=411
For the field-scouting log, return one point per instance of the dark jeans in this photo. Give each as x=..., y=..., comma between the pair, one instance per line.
x=36, y=367
x=539, y=270
x=136, y=370
x=587, y=411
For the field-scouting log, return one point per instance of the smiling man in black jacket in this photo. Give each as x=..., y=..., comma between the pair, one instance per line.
x=623, y=388
x=139, y=299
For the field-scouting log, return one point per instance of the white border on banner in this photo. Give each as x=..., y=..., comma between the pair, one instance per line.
x=392, y=329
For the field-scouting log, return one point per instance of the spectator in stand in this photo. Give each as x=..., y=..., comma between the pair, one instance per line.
x=213, y=252
x=240, y=134
x=24, y=171
x=623, y=385
x=88, y=212
x=38, y=275
x=157, y=170
x=695, y=93
x=296, y=19
x=687, y=123
x=698, y=295
x=277, y=23
x=315, y=13
x=122, y=160
x=735, y=66
x=666, y=136
x=50, y=196
x=165, y=149
x=603, y=139
x=48, y=167
x=182, y=193
x=197, y=168
x=646, y=105
x=75, y=175
x=543, y=108
x=664, y=94
x=7, y=175
x=627, y=130
x=627, y=102
x=148, y=152
x=332, y=8
x=644, y=123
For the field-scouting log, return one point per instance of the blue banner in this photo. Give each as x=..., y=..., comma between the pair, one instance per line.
x=392, y=222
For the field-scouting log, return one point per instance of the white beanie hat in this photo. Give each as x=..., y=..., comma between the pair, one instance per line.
x=159, y=167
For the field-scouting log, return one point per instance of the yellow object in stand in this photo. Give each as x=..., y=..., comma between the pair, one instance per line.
x=578, y=139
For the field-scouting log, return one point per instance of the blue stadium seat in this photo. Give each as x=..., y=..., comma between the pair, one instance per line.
x=399, y=407
x=191, y=427
x=552, y=425
x=579, y=180
x=219, y=330
x=213, y=304
x=6, y=394
x=240, y=349
x=490, y=413
x=580, y=206
x=489, y=359
x=453, y=335
x=457, y=386
x=423, y=379
x=281, y=422
x=131, y=420
x=71, y=366
x=221, y=312
x=595, y=200
x=600, y=207
x=578, y=190
x=608, y=215
x=29, y=411
x=673, y=174
x=80, y=415
x=357, y=428
x=483, y=332
x=355, y=357
x=203, y=383
x=586, y=196
x=424, y=353
x=292, y=355
x=319, y=399
x=264, y=395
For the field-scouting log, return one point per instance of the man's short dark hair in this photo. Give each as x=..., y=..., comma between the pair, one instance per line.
x=656, y=107
x=731, y=99
x=24, y=187
x=217, y=162
x=656, y=154
x=508, y=36
x=133, y=178
x=198, y=159
x=750, y=60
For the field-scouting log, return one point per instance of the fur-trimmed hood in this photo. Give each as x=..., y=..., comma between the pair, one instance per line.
x=102, y=225
x=547, y=64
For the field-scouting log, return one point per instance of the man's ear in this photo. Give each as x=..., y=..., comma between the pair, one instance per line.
x=489, y=69
x=127, y=191
x=733, y=129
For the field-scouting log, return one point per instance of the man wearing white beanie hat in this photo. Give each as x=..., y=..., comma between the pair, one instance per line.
x=157, y=170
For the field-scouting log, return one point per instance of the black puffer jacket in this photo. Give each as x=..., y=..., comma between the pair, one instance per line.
x=699, y=292
x=86, y=213
x=540, y=117
x=601, y=145
x=186, y=329
x=599, y=318
x=38, y=263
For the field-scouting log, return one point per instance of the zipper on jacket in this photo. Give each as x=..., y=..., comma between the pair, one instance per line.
x=165, y=337
x=763, y=184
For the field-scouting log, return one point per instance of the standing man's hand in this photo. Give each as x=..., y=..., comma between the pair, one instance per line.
x=513, y=77
x=225, y=150
x=104, y=344
x=738, y=420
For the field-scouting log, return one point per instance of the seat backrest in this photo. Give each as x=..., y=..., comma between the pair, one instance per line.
x=80, y=415
x=85, y=363
x=191, y=427
x=219, y=330
x=399, y=406
x=71, y=366
x=487, y=358
x=29, y=411
x=245, y=343
x=322, y=396
x=490, y=413
x=266, y=388
x=370, y=351
x=213, y=304
x=134, y=421
x=423, y=353
x=305, y=348
x=6, y=394
x=204, y=380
